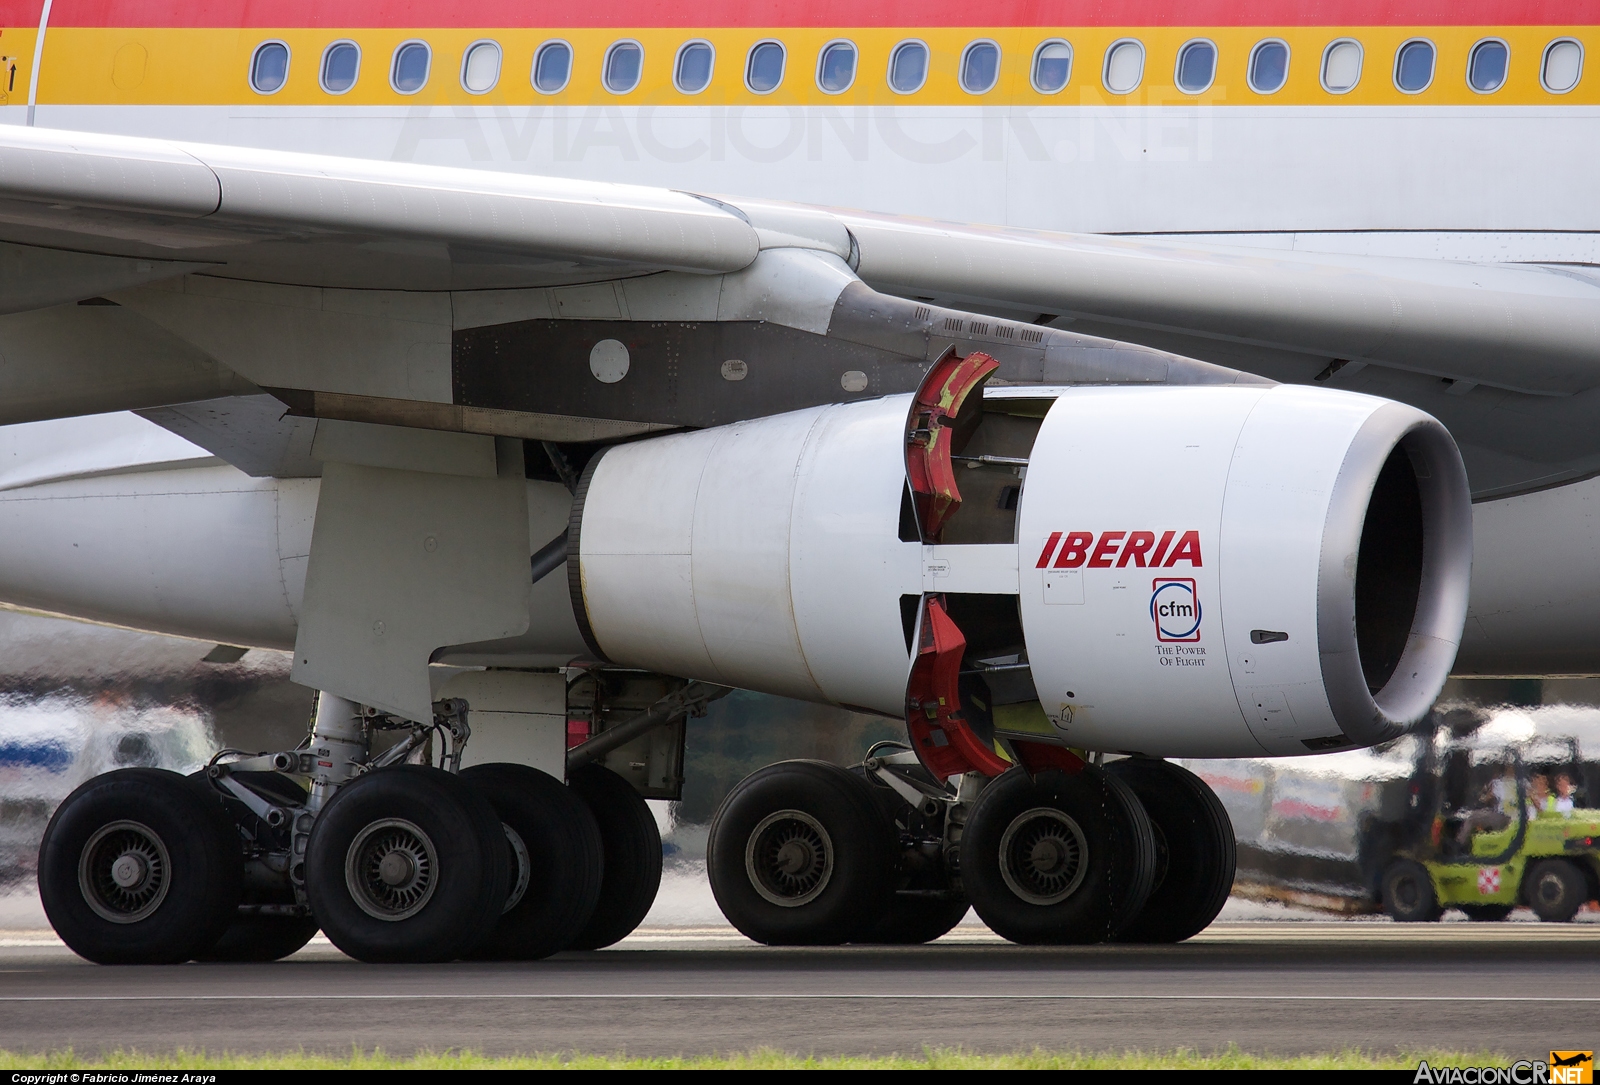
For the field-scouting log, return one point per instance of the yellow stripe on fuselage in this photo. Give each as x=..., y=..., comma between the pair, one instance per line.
x=93, y=66
x=16, y=50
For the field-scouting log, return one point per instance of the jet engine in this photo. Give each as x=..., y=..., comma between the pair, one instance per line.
x=1173, y=571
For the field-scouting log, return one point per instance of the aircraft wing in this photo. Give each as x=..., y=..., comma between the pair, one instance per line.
x=316, y=220
x=1528, y=328
x=415, y=263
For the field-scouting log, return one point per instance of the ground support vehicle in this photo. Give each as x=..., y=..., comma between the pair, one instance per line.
x=1419, y=818
x=1549, y=862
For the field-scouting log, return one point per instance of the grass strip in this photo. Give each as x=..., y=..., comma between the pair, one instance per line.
x=941, y=1058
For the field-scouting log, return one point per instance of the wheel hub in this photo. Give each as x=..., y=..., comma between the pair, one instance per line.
x=797, y=857
x=129, y=870
x=789, y=858
x=1044, y=856
x=396, y=868
x=391, y=869
x=1049, y=856
x=124, y=872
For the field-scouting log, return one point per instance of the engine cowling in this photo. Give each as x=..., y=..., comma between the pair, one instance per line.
x=1174, y=571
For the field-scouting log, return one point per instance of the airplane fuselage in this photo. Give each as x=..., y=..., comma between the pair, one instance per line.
x=1285, y=119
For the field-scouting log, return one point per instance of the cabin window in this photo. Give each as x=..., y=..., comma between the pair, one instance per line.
x=1124, y=66
x=908, y=67
x=552, y=67
x=836, y=67
x=691, y=72
x=763, y=69
x=980, y=67
x=1413, y=66
x=1269, y=66
x=1197, y=66
x=1052, y=66
x=269, y=67
x=1341, y=66
x=1562, y=67
x=409, y=72
x=623, y=66
x=480, y=67
x=341, y=63
x=1486, y=67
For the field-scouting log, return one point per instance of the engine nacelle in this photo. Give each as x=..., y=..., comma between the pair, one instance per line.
x=1174, y=571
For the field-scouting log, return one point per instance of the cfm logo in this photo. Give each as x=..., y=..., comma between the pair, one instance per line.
x=1119, y=549
x=1175, y=606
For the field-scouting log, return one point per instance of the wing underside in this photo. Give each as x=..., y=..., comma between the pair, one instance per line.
x=472, y=300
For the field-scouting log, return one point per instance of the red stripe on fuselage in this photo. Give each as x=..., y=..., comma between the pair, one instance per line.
x=799, y=13
x=20, y=12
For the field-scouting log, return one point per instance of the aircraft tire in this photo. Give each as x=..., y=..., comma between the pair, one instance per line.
x=913, y=920
x=1057, y=859
x=555, y=862
x=262, y=938
x=407, y=864
x=800, y=854
x=140, y=866
x=631, y=843
x=1195, y=850
x=1408, y=894
x=1555, y=889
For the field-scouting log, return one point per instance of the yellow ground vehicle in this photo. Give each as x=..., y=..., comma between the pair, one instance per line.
x=1520, y=844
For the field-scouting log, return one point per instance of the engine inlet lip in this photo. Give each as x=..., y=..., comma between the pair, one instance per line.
x=1436, y=627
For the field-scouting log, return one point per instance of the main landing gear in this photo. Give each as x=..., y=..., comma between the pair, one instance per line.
x=803, y=853
x=393, y=861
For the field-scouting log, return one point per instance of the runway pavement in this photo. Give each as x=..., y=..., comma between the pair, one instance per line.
x=1270, y=987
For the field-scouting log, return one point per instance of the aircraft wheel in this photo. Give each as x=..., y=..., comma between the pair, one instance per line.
x=1486, y=913
x=1195, y=850
x=140, y=866
x=1057, y=859
x=262, y=938
x=407, y=864
x=913, y=920
x=553, y=849
x=1555, y=889
x=800, y=854
x=1408, y=894
x=631, y=843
